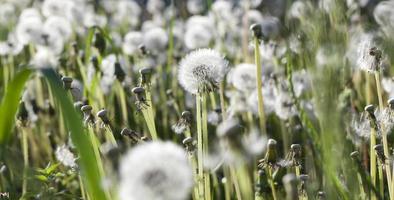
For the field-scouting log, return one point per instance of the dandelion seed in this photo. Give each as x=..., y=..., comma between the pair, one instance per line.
x=157, y=171
x=64, y=155
x=202, y=70
x=183, y=124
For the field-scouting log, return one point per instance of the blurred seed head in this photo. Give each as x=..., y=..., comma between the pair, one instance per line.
x=290, y=184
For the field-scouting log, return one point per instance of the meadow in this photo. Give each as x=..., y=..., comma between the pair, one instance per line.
x=196, y=99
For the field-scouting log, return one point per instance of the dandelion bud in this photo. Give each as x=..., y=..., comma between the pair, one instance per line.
x=304, y=178
x=296, y=148
x=369, y=108
x=142, y=49
x=183, y=124
x=379, y=152
x=321, y=195
x=146, y=74
x=189, y=144
x=290, y=184
x=87, y=113
x=23, y=114
x=78, y=105
x=270, y=156
x=355, y=155
x=391, y=103
x=102, y=114
x=74, y=46
x=94, y=61
x=99, y=42
x=256, y=30
x=67, y=82
x=130, y=134
x=139, y=93
x=119, y=73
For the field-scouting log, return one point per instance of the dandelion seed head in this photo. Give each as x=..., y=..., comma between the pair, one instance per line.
x=64, y=155
x=56, y=7
x=202, y=70
x=388, y=86
x=197, y=37
x=45, y=58
x=155, y=39
x=243, y=77
x=298, y=9
x=59, y=24
x=301, y=82
x=155, y=170
x=7, y=13
x=366, y=61
x=131, y=42
x=29, y=30
x=384, y=16
x=195, y=6
x=127, y=11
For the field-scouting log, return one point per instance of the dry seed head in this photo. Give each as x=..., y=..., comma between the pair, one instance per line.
x=102, y=114
x=119, y=73
x=146, y=74
x=256, y=30
x=67, y=82
x=86, y=109
x=369, y=108
x=390, y=102
x=272, y=144
x=355, y=155
x=78, y=105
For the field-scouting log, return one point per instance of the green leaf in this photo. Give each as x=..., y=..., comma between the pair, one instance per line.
x=72, y=119
x=10, y=103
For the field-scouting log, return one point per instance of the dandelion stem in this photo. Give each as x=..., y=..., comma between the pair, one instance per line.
x=373, y=161
x=381, y=180
x=199, y=147
x=384, y=135
x=272, y=183
x=222, y=102
x=25, y=159
x=205, y=144
x=259, y=85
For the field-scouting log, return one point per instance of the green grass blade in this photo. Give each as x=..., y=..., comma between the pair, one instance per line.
x=79, y=136
x=10, y=102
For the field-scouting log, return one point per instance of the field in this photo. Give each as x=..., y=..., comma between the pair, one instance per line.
x=196, y=99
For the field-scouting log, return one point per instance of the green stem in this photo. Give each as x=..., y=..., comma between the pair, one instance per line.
x=199, y=147
x=204, y=122
x=259, y=85
x=25, y=160
x=222, y=102
x=272, y=184
x=373, y=161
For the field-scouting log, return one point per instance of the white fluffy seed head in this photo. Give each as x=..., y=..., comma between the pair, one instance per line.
x=243, y=77
x=197, y=37
x=64, y=155
x=384, y=16
x=155, y=39
x=366, y=61
x=131, y=42
x=202, y=70
x=157, y=171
